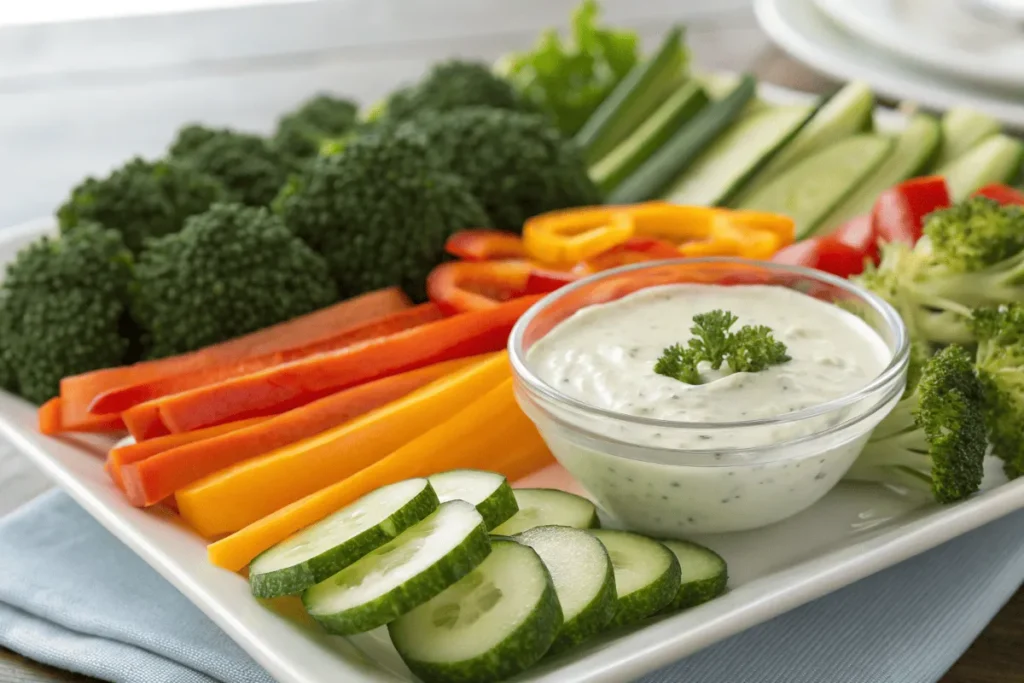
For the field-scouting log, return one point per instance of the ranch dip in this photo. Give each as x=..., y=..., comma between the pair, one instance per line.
x=604, y=355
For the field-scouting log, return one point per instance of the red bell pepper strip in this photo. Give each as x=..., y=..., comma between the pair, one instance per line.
x=899, y=212
x=485, y=245
x=463, y=286
x=859, y=233
x=290, y=385
x=827, y=254
x=1002, y=194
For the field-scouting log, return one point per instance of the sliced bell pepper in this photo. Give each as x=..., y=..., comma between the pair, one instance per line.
x=859, y=233
x=899, y=212
x=673, y=223
x=485, y=245
x=574, y=235
x=748, y=234
x=465, y=286
x=634, y=250
x=827, y=254
x=1002, y=194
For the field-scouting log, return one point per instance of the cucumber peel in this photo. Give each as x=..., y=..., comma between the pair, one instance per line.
x=489, y=492
x=543, y=507
x=995, y=160
x=703, y=574
x=647, y=574
x=495, y=622
x=583, y=577
x=963, y=129
x=402, y=574
x=333, y=543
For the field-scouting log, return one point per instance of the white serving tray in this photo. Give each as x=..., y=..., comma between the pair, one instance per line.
x=854, y=531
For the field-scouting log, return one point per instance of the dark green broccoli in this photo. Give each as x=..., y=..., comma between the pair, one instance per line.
x=230, y=271
x=1000, y=363
x=972, y=255
x=63, y=309
x=301, y=132
x=517, y=164
x=251, y=170
x=141, y=200
x=379, y=211
x=453, y=85
x=934, y=439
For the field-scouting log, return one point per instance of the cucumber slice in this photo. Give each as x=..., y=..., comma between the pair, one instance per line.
x=914, y=149
x=676, y=155
x=812, y=188
x=402, y=574
x=963, y=129
x=731, y=160
x=544, y=507
x=996, y=160
x=646, y=574
x=635, y=98
x=584, y=580
x=498, y=620
x=847, y=112
x=335, y=542
x=488, y=491
x=672, y=115
x=703, y=574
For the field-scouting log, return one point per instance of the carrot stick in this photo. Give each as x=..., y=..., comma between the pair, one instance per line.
x=491, y=433
x=230, y=499
x=120, y=456
x=143, y=422
x=151, y=480
x=79, y=391
x=51, y=420
x=275, y=390
x=122, y=398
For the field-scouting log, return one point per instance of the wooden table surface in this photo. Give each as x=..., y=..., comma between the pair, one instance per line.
x=80, y=98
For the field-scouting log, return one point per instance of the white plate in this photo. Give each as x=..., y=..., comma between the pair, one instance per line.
x=942, y=35
x=854, y=531
x=799, y=28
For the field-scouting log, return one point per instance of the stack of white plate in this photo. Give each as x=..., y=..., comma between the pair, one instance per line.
x=938, y=53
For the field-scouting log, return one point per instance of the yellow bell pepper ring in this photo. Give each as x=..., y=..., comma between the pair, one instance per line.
x=566, y=237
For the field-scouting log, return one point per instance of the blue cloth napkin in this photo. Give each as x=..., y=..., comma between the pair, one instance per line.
x=71, y=595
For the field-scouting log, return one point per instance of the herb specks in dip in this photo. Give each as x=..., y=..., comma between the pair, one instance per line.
x=605, y=354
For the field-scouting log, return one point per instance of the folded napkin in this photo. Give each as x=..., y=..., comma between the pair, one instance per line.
x=71, y=595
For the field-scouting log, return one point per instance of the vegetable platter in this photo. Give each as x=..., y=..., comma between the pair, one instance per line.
x=855, y=530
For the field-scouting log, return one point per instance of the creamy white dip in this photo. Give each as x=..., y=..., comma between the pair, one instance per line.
x=604, y=356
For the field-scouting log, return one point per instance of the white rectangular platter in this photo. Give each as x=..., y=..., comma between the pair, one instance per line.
x=854, y=531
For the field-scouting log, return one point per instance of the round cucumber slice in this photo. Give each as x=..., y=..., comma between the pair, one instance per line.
x=488, y=491
x=646, y=574
x=402, y=574
x=545, y=507
x=335, y=542
x=703, y=574
x=497, y=621
x=584, y=580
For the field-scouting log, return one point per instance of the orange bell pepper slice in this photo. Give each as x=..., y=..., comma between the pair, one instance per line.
x=575, y=235
x=485, y=245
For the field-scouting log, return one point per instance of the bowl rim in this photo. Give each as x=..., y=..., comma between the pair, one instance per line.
x=891, y=373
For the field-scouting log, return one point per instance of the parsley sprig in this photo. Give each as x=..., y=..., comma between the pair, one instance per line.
x=748, y=349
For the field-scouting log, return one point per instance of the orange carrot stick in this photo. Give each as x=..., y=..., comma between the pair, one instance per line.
x=491, y=433
x=275, y=390
x=150, y=480
x=51, y=421
x=120, y=456
x=78, y=392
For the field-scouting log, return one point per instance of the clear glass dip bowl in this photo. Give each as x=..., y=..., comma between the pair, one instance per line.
x=791, y=461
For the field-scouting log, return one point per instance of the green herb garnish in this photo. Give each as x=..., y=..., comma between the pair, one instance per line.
x=749, y=349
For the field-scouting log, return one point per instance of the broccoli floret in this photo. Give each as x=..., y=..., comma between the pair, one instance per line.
x=141, y=200
x=934, y=439
x=230, y=271
x=453, y=85
x=517, y=164
x=1000, y=363
x=971, y=255
x=300, y=133
x=63, y=309
x=379, y=211
x=250, y=169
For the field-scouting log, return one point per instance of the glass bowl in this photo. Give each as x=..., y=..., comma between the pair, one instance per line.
x=784, y=463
